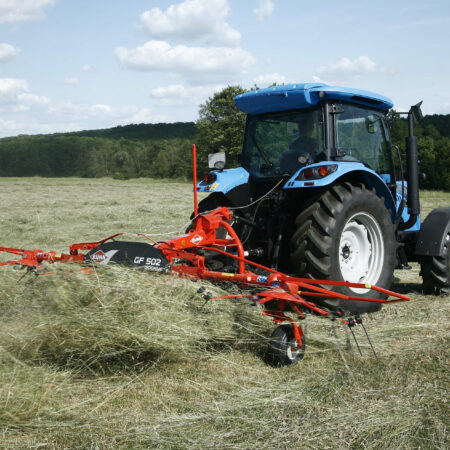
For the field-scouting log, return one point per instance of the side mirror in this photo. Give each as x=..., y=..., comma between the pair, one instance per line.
x=371, y=125
x=216, y=160
x=417, y=111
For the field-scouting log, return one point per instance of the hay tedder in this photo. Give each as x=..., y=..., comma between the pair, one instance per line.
x=284, y=298
x=313, y=222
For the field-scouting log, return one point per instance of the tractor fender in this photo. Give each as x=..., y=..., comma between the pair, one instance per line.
x=353, y=172
x=433, y=232
x=225, y=180
x=232, y=183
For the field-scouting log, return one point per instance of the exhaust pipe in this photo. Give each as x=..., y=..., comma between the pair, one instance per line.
x=412, y=165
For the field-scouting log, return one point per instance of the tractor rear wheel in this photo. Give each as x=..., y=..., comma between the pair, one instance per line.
x=346, y=235
x=435, y=271
x=284, y=349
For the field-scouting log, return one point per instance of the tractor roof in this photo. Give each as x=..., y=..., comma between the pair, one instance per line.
x=299, y=96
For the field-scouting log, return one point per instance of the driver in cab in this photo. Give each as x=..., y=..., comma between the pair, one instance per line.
x=302, y=150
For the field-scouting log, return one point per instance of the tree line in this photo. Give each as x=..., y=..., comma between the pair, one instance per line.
x=433, y=133
x=164, y=150
x=91, y=156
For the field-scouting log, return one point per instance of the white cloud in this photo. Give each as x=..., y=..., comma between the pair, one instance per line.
x=179, y=95
x=22, y=112
x=267, y=80
x=435, y=108
x=446, y=108
x=346, y=69
x=7, y=52
x=264, y=10
x=68, y=116
x=219, y=62
x=12, y=127
x=23, y=10
x=29, y=100
x=14, y=96
x=101, y=115
x=143, y=115
x=192, y=20
x=87, y=68
x=10, y=88
x=71, y=81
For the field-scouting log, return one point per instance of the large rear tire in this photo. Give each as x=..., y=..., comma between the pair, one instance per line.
x=435, y=271
x=346, y=235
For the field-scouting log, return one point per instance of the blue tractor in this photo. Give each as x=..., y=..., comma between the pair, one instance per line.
x=318, y=194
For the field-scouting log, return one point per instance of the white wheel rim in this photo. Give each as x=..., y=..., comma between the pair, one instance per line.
x=361, y=251
x=293, y=349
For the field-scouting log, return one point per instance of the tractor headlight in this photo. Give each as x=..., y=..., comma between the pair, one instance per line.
x=317, y=172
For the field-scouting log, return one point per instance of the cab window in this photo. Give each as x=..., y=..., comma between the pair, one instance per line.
x=361, y=136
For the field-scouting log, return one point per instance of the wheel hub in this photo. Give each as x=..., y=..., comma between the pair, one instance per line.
x=293, y=349
x=346, y=252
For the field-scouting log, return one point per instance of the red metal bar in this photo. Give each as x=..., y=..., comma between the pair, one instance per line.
x=194, y=170
x=317, y=290
x=401, y=298
x=240, y=247
x=90, y=245
x=14, y=251
x=347, y=284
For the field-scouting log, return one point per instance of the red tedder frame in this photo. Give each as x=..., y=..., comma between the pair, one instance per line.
x=186, y=256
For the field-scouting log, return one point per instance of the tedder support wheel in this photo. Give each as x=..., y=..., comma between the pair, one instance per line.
x=435, y=271
x=346, y=235
x=283, y=348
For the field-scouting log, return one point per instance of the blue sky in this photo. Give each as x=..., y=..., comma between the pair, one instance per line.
x=79, y=64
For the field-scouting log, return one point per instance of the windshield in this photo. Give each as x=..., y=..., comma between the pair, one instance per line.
x=361, y=136
x=282, y=143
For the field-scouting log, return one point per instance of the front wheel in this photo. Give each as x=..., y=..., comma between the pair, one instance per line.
x=346, y=235
x=435, y=271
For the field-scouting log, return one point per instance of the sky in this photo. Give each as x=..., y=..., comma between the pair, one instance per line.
x=68, y=65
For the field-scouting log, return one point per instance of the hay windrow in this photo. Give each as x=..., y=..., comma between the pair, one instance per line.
x=127, y=359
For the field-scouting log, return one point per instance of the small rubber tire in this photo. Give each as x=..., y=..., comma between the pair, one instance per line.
x=281, y=344
x=339, y=226
x=435, y=271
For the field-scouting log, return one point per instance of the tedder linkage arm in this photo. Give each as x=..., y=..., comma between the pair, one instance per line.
x=35, y=258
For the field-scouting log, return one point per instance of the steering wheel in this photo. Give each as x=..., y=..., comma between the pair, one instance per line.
x=348, y=154
x=305, y=158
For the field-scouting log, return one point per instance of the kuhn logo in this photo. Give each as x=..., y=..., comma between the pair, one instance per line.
x=196, y=240
x=103, y=258
x=98, y=256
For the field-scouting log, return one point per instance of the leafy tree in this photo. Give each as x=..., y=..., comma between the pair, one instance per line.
x=427, y=163
x=221, y=126
x=442, y=180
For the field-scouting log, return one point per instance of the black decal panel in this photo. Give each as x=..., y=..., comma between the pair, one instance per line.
x=135, y=254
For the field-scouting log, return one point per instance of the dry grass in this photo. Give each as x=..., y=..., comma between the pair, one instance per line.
x=125, y=359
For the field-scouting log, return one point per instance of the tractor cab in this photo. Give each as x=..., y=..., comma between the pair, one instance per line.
x=277, y=144
x=321, y=126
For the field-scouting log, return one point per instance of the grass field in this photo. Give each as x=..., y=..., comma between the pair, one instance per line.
x=124, y=359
